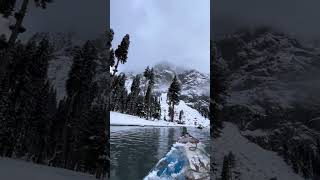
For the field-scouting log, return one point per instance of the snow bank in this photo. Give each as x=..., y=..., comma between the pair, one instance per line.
x=11, y=169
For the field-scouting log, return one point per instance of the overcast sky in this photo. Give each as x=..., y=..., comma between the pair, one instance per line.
x=177, y=31
x=87, y=18
x=297, y=17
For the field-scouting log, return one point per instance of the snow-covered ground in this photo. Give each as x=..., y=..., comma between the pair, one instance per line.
x=11, y=169
x=119, y=119
x=252, y=161
x=190, y=117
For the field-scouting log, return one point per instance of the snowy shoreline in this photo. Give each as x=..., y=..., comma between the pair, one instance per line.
x=119, y=119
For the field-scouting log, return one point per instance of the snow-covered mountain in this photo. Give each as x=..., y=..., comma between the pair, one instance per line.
x=271, y=75
x=195, y=85
x=273, y=93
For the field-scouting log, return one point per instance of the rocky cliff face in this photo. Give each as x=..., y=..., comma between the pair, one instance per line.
x=272, y=79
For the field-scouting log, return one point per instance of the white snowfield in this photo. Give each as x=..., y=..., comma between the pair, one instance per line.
x=11, y=169
x=119, y=119
x=252, y=161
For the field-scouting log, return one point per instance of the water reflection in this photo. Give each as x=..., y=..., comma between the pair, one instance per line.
x=135, y=150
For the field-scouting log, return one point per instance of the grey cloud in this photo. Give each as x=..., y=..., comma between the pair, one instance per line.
x=177, y=31
x=296, y=17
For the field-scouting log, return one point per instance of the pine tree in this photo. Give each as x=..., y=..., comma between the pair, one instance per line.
x=173, y=95
x=218, y=81
x=226, y=169
x=80, y=91
x=132, y=97
x=56, y=131
x=110, y=35
x=149, y=75
x=6, y=8
x=39, y=121
x=140, y=107
x=82, y=70
x=121, y=52
x=118, y=97
x=156, y=108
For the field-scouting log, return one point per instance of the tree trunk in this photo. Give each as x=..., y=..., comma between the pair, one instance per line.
x=172, y=116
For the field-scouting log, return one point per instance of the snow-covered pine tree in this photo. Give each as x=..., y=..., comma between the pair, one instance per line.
x=132, y=97
x=56, y=132
x=173, y=96
x=39, y=127
x=118, y=96
x=38, y=88
x=156, y=108
x=218, y=81
x=20, y=82
x=80, y=96
x=93, y=139
x=140, y=107
x=149, y=75
x=7, y=9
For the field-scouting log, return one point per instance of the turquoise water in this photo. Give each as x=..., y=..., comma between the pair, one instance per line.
x=136, y=150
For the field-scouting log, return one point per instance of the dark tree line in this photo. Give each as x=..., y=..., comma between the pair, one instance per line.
x=228, y=166
x=70, y=134
x=136, y=102
x=303, y=158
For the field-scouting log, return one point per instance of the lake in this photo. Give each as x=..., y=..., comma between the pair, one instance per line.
x=136, y=150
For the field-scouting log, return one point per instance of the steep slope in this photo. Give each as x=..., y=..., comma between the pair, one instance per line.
x=191, y=116
x=268, y=73
x=251, y=161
